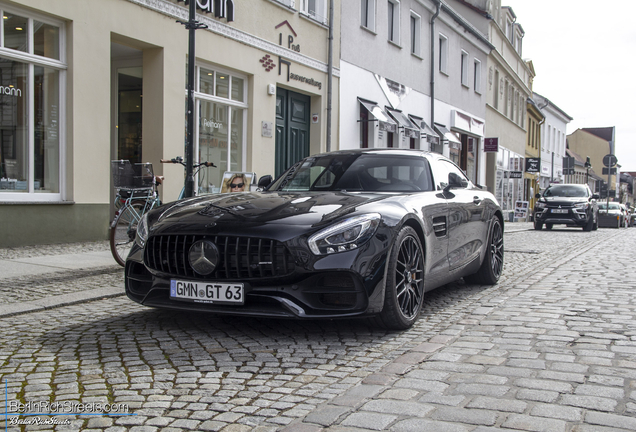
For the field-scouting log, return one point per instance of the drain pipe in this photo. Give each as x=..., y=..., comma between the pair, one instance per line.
x=439, y=5
x=330, y=76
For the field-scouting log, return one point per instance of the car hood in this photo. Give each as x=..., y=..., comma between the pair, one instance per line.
x=233, y=213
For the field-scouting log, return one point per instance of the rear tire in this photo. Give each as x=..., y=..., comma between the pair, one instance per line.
x=492, y=267
x=123, y=231
x=404, y=290
x=548, y=226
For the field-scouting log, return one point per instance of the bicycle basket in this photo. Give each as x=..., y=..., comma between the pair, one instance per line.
x=132, y=176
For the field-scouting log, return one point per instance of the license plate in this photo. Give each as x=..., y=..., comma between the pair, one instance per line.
x=207, y=292
x=560, y=210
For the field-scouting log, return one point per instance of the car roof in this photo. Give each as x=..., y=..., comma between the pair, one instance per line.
x=384, y=151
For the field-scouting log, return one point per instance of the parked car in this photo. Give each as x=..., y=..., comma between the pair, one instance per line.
x=342, y=234
x=611, y=215
x=632, y=218
x=572, y=205
x=625, y=215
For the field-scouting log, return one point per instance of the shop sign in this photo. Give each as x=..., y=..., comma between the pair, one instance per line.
x=221, y=8
x=521, y=209
x=292, y=76
x=212, y=124
x=290, y=37
x=515, y=174
x=533, y=165
x=389, y=127
x=10, y=90
x=491, y=145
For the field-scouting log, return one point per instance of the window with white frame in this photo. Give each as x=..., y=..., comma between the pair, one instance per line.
x=288, y=3
x=393, y=18
x=477, y=76
x=32, y=76
x=367, y=14
x=316, y=9
x=443, y=54
x=416, y=24
x=222, y=121
x=464, y=68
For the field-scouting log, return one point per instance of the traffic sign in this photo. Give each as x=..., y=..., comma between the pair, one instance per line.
x=609, y=160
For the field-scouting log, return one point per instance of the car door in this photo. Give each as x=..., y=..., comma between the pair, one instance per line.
x=467, y=227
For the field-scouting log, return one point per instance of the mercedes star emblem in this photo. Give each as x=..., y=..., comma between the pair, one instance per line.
x=203, y=257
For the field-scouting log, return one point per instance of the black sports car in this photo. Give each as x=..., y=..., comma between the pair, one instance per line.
x=341, y=234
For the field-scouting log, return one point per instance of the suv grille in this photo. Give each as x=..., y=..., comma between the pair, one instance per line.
x=240, y=257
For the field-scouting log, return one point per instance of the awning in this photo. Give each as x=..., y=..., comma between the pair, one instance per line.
x=453, y=140
x=410, y=129
x=386, y=123
x=431, y=135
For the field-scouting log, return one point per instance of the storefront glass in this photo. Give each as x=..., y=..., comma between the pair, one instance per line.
x=14, y=131
x=213, y=137
x=30, y=153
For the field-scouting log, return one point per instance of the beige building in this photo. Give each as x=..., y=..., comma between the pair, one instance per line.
x=87, y=82
x=595, y=143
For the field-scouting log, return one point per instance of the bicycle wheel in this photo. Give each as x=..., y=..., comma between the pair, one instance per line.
x=123, y=231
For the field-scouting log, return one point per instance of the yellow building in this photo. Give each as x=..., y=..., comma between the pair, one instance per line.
x=533, y=151
x=595, y=143
x=87, y=82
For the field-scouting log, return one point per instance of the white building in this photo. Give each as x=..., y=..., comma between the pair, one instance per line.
x=553, y=140
x=397, y=57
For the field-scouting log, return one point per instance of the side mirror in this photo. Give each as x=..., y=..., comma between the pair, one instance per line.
x=596, y=196
x=537, y=196
x=264, y=181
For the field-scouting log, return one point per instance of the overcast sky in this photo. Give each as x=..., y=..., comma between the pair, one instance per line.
x=583, y=55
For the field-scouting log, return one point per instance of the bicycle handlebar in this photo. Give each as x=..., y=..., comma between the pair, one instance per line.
x=179, y=160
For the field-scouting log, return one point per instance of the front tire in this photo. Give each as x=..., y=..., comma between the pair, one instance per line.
x=537, y=225
x=492, y=267
x=124, y=230
x=589, y=226
x=404, y=291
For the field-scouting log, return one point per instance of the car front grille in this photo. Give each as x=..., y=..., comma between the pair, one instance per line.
x=240, y=257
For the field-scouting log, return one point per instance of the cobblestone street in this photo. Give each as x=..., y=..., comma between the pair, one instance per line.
x=552, y=347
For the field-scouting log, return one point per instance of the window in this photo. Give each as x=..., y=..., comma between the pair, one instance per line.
x=415, y=33
x=316, y=9
x=464, y=65
x=221, y=129
x=443, y=54
x=367, y=19
x=477, y=79
x=32, y=80
x=496, y=93
x=394, y=21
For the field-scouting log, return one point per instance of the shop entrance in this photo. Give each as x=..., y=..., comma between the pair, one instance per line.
x=292, y=128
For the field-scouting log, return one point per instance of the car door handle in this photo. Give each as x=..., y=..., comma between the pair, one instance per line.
x=477, y=200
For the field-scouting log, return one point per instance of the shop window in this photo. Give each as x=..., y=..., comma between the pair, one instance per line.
x=30, y=110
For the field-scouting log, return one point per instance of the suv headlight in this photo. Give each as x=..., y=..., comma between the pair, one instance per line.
x=582, y=206
x=142, y=230
x=540, y=205
x=346, y=235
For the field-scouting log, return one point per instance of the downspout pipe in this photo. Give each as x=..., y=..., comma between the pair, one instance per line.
x=330, y=76
x=433, y=18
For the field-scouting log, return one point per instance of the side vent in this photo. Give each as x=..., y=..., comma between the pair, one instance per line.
x=439, y=226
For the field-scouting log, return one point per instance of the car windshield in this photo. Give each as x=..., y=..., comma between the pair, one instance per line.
x=358, y=172
x=612, y=206
x=565, y=191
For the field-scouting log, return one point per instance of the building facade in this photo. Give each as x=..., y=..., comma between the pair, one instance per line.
x=413, y=76
x=85, y=83
x=553, y=138
x=596, y=143
x=533, y=152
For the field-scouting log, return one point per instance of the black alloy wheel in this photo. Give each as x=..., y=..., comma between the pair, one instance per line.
x=404, y=291
x=492, y=267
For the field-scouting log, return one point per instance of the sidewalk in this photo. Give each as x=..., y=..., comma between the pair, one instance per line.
x=34, y=278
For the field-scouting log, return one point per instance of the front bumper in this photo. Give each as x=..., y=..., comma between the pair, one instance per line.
x=573, y=217
x=609, y=220
x=341, y=285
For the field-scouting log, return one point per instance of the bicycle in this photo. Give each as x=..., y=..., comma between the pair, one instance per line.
x=137, y=193
x=196, y=168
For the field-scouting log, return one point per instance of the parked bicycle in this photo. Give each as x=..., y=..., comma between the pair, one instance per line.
x=137, y=193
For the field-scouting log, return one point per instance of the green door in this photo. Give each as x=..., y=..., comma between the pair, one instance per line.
x=292, y=128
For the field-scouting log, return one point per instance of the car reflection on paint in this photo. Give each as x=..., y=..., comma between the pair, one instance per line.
x=360, y=233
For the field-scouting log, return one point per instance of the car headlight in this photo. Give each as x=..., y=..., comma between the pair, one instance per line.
x=142, y=230
x=582, y=206
x=346, y=235
x=540, y=205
